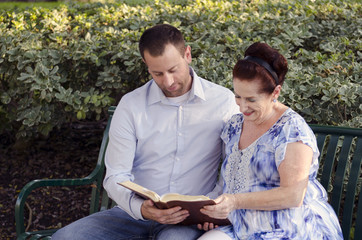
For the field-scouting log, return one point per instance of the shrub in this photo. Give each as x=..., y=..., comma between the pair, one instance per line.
x=72, y=62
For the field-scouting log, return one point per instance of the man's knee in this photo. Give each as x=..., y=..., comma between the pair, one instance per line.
x=90, y=227
x=109, y=224
x=63, y=234
x=178, y=232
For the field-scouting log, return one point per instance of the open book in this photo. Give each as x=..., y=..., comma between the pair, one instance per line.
x=191, y=203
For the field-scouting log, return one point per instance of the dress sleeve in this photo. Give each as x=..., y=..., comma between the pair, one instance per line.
x=295, y=130
x=225, y=133
x=231, y=128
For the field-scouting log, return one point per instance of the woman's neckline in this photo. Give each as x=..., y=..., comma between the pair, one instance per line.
x=269, y=129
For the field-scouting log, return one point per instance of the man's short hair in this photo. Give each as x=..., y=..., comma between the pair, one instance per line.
x=155, y=39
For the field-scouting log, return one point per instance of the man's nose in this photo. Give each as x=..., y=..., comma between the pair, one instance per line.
x=168, y=80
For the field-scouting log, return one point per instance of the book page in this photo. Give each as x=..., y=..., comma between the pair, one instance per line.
x=142, y=191
x=178, y=197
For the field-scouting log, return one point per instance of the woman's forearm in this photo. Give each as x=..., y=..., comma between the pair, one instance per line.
x=274, y=199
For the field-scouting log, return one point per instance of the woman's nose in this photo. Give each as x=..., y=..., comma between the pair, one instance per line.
x=242, y=104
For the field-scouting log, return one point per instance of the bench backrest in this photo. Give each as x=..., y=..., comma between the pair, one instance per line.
x=339, y=173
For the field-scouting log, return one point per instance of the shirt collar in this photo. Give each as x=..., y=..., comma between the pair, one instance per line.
x=156, y=95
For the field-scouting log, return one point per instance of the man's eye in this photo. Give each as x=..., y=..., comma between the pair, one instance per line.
x=251, y=100
x=236, y=96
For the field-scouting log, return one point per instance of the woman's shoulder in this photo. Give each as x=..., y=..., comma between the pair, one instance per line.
x=292, y=123
x=291, y=117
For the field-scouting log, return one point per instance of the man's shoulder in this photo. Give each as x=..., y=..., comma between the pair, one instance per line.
x=211, y=86
x=137, y=93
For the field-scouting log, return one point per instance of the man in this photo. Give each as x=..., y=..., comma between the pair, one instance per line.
x=164, y=136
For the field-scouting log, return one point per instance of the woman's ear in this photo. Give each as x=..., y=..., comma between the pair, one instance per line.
x=276, y=92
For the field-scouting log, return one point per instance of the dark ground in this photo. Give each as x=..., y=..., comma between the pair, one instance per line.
x=70, y=153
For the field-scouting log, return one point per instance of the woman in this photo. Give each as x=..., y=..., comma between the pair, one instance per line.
x=270, y=187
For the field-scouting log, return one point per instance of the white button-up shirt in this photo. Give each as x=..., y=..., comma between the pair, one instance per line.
x=167, y=146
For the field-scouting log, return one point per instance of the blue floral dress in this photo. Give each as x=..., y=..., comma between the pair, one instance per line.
x=255, y=168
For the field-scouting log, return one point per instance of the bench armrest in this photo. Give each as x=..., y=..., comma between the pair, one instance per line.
x=95, y=176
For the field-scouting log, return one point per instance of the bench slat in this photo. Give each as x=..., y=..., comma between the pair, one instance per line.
x=358, y=225
x=350, y=195
x=338, y=181
x=105, y=201
x=329, y=160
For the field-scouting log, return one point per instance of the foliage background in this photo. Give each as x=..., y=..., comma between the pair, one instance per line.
x=72, y=62
x=62, y=65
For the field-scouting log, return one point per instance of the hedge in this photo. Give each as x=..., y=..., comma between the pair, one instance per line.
x=70, y=63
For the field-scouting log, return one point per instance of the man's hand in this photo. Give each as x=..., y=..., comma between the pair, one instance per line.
x=164, y=216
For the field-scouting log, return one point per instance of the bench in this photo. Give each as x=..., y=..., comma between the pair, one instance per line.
x=340, y=173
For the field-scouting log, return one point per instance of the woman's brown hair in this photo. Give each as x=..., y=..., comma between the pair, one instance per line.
x=249, y=69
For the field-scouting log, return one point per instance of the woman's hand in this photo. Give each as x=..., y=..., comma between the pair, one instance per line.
x=206, y=226
x=224, y=205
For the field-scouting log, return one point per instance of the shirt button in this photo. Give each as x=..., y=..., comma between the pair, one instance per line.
x=177, y=159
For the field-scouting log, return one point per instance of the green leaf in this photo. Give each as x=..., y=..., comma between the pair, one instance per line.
x=80, y=115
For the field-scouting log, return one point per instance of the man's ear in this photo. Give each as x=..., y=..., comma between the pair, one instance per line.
x=188, y=56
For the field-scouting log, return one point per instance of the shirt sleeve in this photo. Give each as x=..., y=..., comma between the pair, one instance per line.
x=119, y=160
x=234, y=109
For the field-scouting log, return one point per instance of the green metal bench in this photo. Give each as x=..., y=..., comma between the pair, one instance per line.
x=340, y=170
